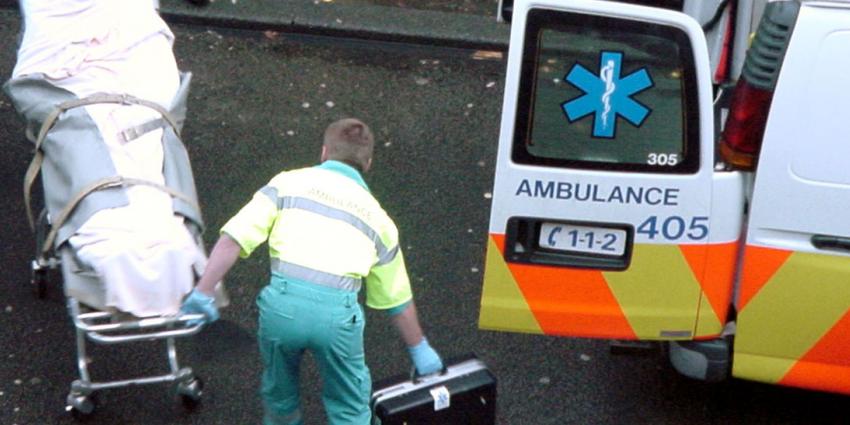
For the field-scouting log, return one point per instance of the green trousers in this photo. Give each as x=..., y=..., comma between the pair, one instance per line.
x=296, y=316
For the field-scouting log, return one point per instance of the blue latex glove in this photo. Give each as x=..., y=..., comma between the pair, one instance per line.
x=425, y=359
x=199, y=303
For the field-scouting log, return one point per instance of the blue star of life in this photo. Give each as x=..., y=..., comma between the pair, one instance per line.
x=607, y=96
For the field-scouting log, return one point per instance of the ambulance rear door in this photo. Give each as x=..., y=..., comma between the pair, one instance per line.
x=608, y=219
x=793, y=324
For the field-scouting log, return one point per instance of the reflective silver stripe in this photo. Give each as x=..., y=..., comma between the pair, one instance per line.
x=315, y=276
x=270, y=193
x=385, y=255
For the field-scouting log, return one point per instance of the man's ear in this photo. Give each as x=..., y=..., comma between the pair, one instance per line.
x=368, y=165
x=324, y=154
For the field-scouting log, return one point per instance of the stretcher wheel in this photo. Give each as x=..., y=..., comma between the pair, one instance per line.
x=190, y=392
x=81, y=407
x=38, y=280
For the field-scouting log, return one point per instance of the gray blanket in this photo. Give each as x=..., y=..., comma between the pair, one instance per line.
x=75, y=155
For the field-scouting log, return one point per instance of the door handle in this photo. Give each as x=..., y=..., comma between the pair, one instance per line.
x=834, y=243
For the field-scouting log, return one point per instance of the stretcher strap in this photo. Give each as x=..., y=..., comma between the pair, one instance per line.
x=38, y=156
x=133, y=133
x=115, y=181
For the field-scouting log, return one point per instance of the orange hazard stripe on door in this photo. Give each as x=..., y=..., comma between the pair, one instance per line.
x=714, y=267
x=658, y=293
x=503, y=305
x=827, y=365
x=794, y=327
x=668, y=292
x=568, y=301
x=760, y=264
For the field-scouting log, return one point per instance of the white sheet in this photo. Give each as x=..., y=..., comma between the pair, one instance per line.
x=142, y=252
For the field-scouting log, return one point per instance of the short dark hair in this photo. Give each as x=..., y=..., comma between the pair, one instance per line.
x=349, y=140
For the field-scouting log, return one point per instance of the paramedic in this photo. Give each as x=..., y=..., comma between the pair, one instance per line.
x=326, y=235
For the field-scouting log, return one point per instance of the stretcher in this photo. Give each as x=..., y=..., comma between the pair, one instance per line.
x=50, y=109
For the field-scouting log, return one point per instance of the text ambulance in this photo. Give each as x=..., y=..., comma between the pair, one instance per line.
x=621, y=211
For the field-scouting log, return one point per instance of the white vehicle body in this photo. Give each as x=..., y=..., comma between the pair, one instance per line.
x=614, y=216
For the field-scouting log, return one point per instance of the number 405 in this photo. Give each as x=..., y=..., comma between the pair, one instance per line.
x=674, y=228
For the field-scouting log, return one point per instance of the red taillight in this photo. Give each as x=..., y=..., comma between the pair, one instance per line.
x=742, y=136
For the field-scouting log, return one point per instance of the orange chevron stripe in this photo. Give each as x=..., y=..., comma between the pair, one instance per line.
x=760, y=264
x=714, y=267
x=574, y=302
x=827, y=365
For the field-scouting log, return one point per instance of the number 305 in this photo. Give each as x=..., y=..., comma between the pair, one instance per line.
x=662, y=159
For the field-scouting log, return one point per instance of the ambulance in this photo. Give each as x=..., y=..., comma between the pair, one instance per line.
x=655, y=184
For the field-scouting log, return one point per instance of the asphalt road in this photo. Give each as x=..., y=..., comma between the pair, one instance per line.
x=258, y=105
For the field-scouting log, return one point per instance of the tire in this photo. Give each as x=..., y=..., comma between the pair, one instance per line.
x=81, y=407
x=190, y=393
x=38, y=280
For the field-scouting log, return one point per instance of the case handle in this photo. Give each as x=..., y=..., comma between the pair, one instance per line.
x=416, y=378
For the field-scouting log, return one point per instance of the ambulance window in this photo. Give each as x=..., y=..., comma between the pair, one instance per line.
x=605, y=93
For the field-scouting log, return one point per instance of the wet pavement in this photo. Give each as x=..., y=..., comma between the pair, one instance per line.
x=425, y=23
x=259, y=103
x=473, y=7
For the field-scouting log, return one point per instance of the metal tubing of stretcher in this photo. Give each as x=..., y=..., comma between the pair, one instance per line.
x=82, y=321
x=176, y=373
x=172, y=355
x=104, y=339
x=84, y=330
x=148, y=323
x=95, y=386
x=81, y=356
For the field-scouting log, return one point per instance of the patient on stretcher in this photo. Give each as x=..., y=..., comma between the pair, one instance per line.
x=134, y=237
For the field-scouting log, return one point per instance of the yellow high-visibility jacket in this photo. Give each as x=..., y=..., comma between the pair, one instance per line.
x=323, y=226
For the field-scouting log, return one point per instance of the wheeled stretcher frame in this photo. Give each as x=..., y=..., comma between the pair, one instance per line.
x=110, y=328
x=101, y=325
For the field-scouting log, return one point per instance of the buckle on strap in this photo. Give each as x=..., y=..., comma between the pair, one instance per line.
x=133, y=133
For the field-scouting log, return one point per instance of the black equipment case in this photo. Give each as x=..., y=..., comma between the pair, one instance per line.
x=464, y=393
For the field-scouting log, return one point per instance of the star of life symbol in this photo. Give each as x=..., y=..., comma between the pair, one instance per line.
x=607, y=96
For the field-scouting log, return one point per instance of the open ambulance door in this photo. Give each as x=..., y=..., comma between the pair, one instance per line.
x=793, y=325
x=608, y=219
